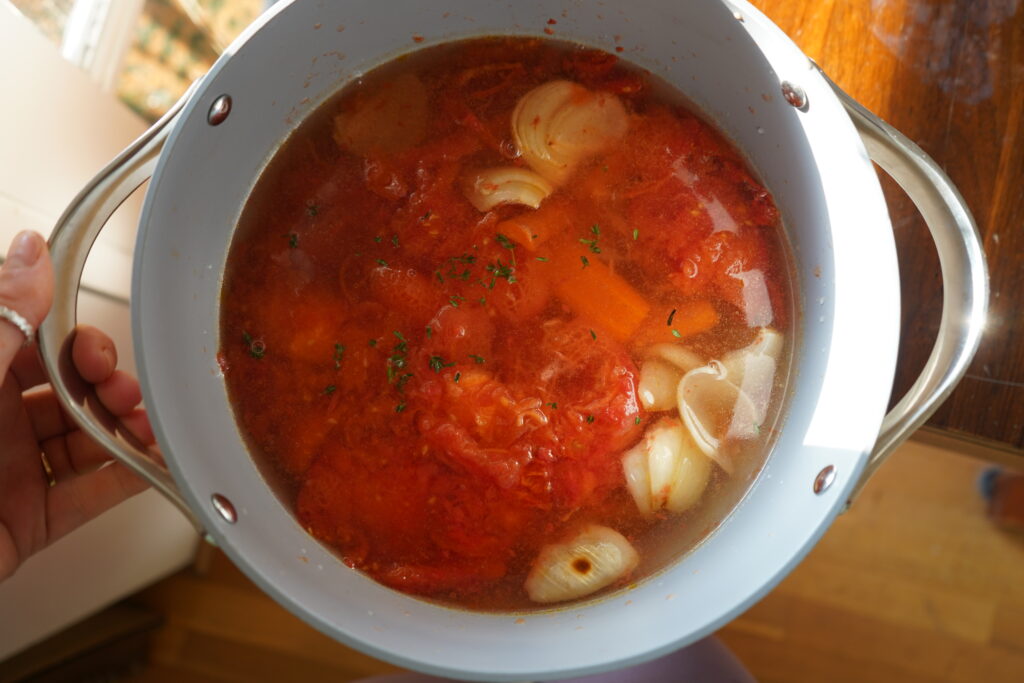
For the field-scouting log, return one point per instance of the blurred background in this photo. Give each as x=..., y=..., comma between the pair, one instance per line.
x=920, y=581
x=147, y=52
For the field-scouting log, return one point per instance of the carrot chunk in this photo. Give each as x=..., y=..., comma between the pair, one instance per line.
x=597, y=293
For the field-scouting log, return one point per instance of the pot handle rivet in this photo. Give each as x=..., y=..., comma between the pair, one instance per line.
x=224, y=507
x=219, y=110
x=824, y=479
x=795, y=95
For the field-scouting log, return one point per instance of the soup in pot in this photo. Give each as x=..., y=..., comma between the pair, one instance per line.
x=508, y=322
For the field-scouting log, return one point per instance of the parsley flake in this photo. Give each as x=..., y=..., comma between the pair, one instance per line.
x=454, y=300
x=257, y=348
x=675, y=333
x=373, y=343
x=293, y=240
x=382, y=262
x=584, y=261
x=329, y=389
x=457, y=376
x=312, y=209
x=636, y=233
x=542, y=259
x=590, y=419
x=437, y=363
x=593, y=335
x=636, y=421
x=554, y=406
x=400, y=407
x=339, y=352
x=479, y=359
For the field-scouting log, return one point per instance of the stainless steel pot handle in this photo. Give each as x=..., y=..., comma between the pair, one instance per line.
x=964, y=275
x=70, y=243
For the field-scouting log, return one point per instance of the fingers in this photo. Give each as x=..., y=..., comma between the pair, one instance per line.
x=26, y=286
x=94, y=354
x=72, y=503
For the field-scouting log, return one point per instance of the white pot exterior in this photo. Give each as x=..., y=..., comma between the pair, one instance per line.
x=823, y=183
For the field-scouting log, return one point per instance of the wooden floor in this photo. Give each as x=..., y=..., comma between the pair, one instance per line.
x=913, y=585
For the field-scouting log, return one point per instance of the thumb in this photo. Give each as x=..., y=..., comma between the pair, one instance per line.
x=26, y=287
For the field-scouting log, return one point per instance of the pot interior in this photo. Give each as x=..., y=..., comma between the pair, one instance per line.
x=835, y=217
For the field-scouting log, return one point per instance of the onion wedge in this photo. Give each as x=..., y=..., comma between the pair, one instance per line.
x=506, y=185
x=560, y=123
x=593, y=559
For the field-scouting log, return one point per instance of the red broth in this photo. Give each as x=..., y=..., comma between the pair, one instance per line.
x=443, y=391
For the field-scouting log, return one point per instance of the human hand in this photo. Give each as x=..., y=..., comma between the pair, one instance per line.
x=40, y=502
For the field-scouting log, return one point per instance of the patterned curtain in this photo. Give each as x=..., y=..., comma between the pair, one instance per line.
x=176, y=41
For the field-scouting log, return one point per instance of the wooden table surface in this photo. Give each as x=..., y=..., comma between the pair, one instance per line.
x=949, y=74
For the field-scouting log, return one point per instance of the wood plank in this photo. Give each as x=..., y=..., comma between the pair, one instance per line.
x=947, y=74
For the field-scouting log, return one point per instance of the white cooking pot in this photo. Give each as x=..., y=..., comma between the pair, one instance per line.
x=805, y=139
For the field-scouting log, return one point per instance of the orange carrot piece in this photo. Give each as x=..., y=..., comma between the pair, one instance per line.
x=690, y=318
x=596, y=293
x=532, y=228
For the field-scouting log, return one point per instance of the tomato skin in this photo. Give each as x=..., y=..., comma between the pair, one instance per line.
x=459, y=331
x=404, y=290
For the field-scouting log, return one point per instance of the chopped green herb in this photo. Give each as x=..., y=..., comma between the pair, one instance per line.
x=590, y=419
x=593, y=335
x=373, y=342
x=585, y=261
x=437, y=363
x=554, y=406
x=382, y=262
x=479, y=359
x=394, y=240
x=329, y=389
x=454, y=300
x=505, y=241
x=636, y=421
x=439, y=278
x=399, y=336
x=425, y=217
x=403, y=380
x=339, y=352
x=508, y=244
x=430, y=331
x=312, y=209
x=670, y=316
x=377, y=239
x=483, y=301
x=595, y=229
x=293, y=240
x=400, y=407
x=675, y=333
x=499, y=270
x=542, y=259
x=757, y=428
x=257, y=349
x=458, y=375
x=636, y=233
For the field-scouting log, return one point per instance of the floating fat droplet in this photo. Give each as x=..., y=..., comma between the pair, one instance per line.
x=593, y=559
